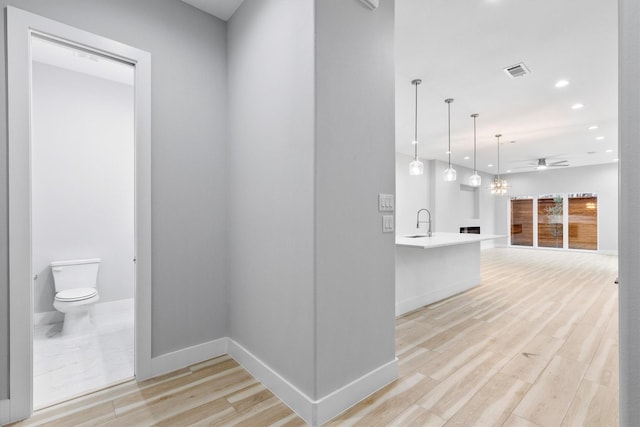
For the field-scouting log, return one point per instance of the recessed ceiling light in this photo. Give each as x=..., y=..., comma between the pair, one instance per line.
x=489, y=165
x=609, y=151
x=508, y=170
x=447, y=152
x=562, y=83
x=414, y=142
x=466, y=157
x=594, y=127
x=577, y=106
x=599, y=138
x=615, y=160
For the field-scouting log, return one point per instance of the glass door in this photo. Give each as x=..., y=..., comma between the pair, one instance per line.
x=583, y=221
x=550, y=222
x=522, y=222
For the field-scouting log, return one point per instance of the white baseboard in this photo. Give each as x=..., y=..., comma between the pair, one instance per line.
x=609, y=252
x=98, y=309
x=47, y=318
x=188, y=356
x=314, y=412
x=344, y=398
x=413, y=303
x=298, y=401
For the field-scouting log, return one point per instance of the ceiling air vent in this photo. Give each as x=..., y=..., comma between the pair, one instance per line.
x=517, y=70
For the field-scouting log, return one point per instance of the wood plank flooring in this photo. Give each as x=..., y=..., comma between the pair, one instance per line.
x=535, y=345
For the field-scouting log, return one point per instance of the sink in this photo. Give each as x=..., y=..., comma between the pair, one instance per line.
x=415, y=236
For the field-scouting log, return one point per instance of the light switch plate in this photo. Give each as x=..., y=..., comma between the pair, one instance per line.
x=387, y=224
x=385, y=203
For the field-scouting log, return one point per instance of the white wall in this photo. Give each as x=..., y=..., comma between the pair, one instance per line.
x=412, y=194
x=82, y=179
x=451, y=206
x=600, y=179
x=449, y=200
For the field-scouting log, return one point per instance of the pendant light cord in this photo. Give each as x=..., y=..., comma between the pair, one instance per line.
x=415, y=132
x=449, y=118
x=449, y=101
x=498, y=137
x=475, y=170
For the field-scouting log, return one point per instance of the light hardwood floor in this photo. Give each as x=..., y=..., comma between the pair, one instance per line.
x=535, y=345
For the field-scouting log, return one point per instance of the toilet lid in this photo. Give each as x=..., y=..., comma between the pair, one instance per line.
x=77, y=294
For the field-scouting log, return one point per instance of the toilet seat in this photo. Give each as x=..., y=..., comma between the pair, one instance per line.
x=76, y=294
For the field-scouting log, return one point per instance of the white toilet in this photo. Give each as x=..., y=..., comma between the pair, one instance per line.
x=75, y=282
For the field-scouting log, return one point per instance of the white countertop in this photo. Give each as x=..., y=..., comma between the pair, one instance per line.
x=443, y=239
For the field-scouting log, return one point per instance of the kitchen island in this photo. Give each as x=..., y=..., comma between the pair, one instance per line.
x=430, y=269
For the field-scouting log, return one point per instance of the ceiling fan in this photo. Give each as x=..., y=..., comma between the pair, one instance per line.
x=542, y=164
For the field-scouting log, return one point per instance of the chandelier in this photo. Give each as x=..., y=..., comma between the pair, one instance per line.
x=499, y=186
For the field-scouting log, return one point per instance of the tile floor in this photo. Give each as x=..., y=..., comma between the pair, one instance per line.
x=69, y=366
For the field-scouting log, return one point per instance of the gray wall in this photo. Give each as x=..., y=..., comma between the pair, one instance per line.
x=189, y=170
x=629, y=149
x=82, y=181
x=600, y=179
x=271, y=185
x=355, y=151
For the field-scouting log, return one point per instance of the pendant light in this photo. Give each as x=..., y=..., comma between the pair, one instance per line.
x=475, y=180
x=449, y=173
x=416, y=167
x=499, y=186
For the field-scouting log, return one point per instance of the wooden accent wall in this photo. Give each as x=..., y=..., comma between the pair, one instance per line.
x=522, y=222
x=583, y=223
x=550, y=227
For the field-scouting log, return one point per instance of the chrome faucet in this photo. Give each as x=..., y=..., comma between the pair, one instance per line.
x=428, y=221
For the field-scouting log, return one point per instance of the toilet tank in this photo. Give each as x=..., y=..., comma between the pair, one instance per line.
x=77, y=273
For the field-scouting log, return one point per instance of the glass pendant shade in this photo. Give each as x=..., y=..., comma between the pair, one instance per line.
x=416, y=168
x=449, y=174
x=475, y=180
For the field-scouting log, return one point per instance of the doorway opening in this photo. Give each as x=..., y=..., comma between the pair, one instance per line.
x=82, y=219
x=47, y=226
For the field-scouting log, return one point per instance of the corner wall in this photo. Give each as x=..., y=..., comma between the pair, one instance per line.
x=311, y=273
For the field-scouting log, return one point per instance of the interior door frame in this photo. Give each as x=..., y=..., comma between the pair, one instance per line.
x=20, y=27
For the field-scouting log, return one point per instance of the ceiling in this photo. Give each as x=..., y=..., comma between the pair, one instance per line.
x=460, y=49
x=222, y=9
